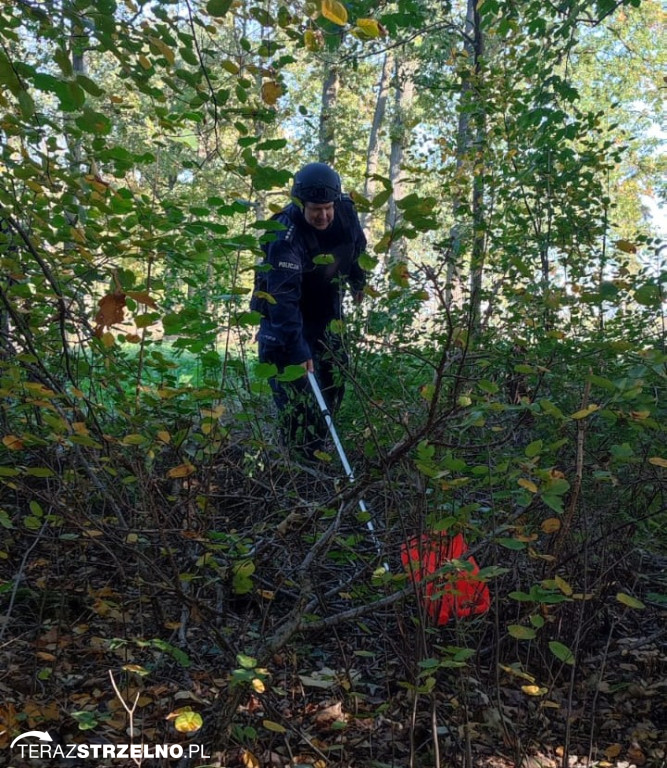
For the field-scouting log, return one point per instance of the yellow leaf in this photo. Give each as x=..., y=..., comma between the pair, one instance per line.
x=132, y=338
x=626, y=246
x=517, y=673
x=230, y=66
x=612, y=751
x=258, y=685
x=630, y=601
x=564, y=587
x=369, y=27
x=529, y=485
x=182, y=470
x=271, y=92
x=137, y=669
x=132, y=538
x=164, y=49
x=39, y=389
x=275, y=727
x=585, y=412
x=214, y=413
x=13, y=443
x=550, y=525
x=145, y=62
x=80, y=428
x=188, y=722
x=526, y=537
x=249, y=760
x=133, y=439
x=657, y=461
x=335, y=12
x=533, y=690
x=107, y=339
x=164, y=437
x=310, y=40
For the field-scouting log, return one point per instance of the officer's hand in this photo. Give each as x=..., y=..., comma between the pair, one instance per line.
x=308, y=365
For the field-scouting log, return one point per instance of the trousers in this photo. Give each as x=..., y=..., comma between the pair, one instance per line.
x=301, y=422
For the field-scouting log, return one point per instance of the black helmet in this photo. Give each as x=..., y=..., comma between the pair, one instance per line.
x=316, y=183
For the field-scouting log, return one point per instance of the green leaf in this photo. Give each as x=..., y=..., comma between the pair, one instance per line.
x=246, y=662
x=630, y=601
x=245, y=319
x=176, y=653
x=532, y=449
x=93, y=122
x=648, y=295
x=291, y=373
x=558, y=486
x=26, y=103
x=553, y=502
x=561, y=652
x=90, y=86
x=40, y=472
x=521, y=633
x=265, y=370
x=8, y=75
x=511, y=544
x=324, y=258
x=242, y=581
x=367, y=262
x=521, y=597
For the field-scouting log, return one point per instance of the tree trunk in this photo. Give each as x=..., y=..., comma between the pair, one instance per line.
x=326, y=148
x=471, y=138
x=403, y=97
x=373, y=157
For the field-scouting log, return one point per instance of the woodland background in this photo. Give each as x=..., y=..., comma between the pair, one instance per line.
x=508, y=381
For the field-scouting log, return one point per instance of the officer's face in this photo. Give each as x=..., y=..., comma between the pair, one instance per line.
x=318, y=215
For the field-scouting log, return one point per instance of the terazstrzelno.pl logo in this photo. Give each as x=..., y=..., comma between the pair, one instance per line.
x=44, y=748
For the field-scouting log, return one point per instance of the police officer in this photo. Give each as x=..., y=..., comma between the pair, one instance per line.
x=301, y=292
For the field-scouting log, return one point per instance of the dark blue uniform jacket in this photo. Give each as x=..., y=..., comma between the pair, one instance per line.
x=306, y=279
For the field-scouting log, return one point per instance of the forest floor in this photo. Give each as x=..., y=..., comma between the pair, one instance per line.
x=101, y=643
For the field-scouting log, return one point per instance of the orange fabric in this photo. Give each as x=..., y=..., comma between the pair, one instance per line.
x=458, y=592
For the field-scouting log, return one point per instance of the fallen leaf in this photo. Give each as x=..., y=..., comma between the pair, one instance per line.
x=550, y=525
x=275, y=727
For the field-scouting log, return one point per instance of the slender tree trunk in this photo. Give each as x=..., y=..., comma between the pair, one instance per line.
x=403, y=97
x=470, y=160
x=479, y=174
x=326, y=148
x=373, y=157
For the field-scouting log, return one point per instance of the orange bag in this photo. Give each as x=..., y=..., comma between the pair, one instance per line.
x=460, y=592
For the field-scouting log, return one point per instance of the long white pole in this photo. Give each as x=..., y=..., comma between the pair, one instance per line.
x=341, y=453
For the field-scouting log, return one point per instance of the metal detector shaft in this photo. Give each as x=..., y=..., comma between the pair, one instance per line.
x=341, y=453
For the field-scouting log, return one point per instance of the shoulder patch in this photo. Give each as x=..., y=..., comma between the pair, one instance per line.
x=289, y=265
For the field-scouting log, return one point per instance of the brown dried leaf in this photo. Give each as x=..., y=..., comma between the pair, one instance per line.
x=111, y=311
